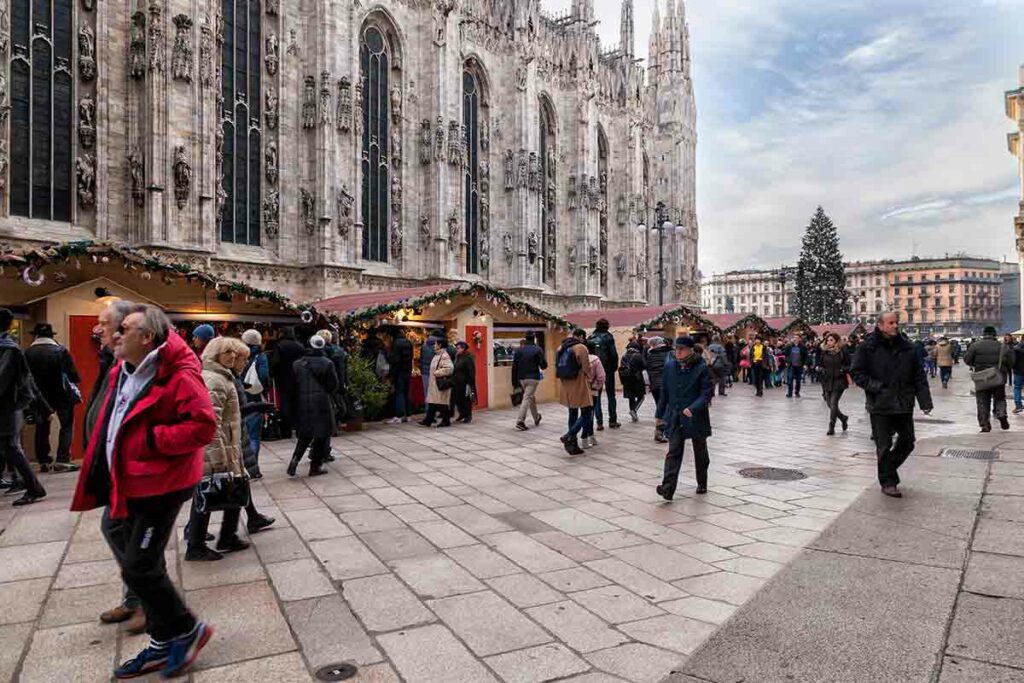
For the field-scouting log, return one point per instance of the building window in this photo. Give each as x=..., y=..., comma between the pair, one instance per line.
x=375, y=66
x=471, y=122
x=547, y=203
x=41, y=109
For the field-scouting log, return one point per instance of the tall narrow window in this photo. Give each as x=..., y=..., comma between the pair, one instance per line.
x=547, y=202
x=471, y=122
x=374, y=59
x=41, y=108
x=243, y=149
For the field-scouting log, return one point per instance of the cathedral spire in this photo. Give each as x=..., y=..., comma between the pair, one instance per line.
x=626, y=28
x=652, y=43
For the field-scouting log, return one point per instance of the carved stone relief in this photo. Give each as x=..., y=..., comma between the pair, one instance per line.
x=181, y=54
x=270, y=162
x=87, y=122
x=272, y=7
x=85, y=172
x=344, y=112
x=325, y=99
x=272, y=54
x=156, y=38
x=137, y=47
x=309, y=103
x=86, y=54
x=270, y=112
x=137, y=171
x=308, y=209
x=345, y=201
x=271, y=212
x=206, y=55
x=182, y=177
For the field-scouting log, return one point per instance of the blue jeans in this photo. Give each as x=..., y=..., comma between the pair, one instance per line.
x=402, y=394
x=254, y=425
x=794, y=376
x=1018, y=386
x=598, y=415
x=578, y=419
x=944, y=374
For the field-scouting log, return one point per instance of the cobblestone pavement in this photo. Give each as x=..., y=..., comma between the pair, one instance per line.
x=475, y=553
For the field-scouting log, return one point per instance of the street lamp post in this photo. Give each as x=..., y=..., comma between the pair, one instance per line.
x=783, y=278
x=661, y=226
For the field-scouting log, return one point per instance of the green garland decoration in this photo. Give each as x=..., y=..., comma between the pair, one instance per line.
x=59, y=254
x=361, y=318
x=793, y=325
x=678, y=315
x=754, y=319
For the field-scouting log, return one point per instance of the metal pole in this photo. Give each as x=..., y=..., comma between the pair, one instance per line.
x=661, y=266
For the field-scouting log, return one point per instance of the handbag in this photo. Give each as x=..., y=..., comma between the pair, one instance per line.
x=252, y=382
x=517, y=397
x=222, y=491
x=989, y=378
x=443, y=383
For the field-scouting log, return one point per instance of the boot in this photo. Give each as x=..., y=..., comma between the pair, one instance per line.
x=573, y=448
x=293, y=466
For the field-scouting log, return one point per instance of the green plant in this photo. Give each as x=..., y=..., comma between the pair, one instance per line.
x=364, y=386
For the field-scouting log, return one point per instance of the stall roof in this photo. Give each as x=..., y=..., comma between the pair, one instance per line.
x=617, y=317
x=351, y=303
x=843, y=330
x=726, y=320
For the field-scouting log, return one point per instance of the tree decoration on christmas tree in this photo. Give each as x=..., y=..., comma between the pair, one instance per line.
x=820, y=274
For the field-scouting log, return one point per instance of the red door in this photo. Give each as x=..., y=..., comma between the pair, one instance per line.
x=481, y=353
x=84, y=349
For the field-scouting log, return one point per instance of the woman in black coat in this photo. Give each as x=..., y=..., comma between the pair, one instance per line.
x=631, y=374
x=833, y=365
x=464, y=382
x=315, y=383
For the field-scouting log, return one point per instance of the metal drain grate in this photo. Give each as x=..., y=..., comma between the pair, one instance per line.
x=968, y=454
x=772, y=473
x=932, y=421
x=335, y=672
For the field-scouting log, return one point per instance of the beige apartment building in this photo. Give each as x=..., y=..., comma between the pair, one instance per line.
x=953, y=296
x=1014, y=103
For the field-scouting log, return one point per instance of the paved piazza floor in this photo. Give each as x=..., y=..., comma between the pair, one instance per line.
x=476, y=553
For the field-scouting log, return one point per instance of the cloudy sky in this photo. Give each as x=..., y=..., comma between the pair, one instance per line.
x=889, y=113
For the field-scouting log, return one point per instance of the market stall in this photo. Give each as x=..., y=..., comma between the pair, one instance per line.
x=742, y=325
x=789, y=325
x=490, y=320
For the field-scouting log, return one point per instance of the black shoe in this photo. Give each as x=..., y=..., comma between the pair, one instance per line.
x=258, y=524
x=445, y=423
x=16, y=487
x=521, y=426
x=28, y=499
x=231, y=545
x=573, y=448
x=46, y=467
x=8, y=483
x=1004, y=423
x=255, y=474
x=798, y=395
x=702, y=490
x=614, y=425
x=202, y=554
x=846, y=422
x=565, y=438
x=329, y=458
x=536, y=421
x=600, y=427
x=986, y=429
x=660, y=438
x=66, y=467
x=789, y=395
x=317, y=470
x=664, y=492
x=293, y=466
x=831, y=431
x=423, y=423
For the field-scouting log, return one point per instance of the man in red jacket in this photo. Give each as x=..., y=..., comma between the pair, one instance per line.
x=144, y=458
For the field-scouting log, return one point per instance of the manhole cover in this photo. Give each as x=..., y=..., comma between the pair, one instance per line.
x=968, y=454
x=932, y=421
x=335, y=672
x=772, y=473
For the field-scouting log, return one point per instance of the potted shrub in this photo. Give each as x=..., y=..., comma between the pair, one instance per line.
x=368, y=393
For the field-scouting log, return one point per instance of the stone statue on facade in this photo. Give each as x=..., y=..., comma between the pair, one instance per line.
x=85, y=175
x=344, y=113
x=485, y=136
x=270, y=162
x=345, y=201
x=272, y=7
x=137, y=47
x=439, y=140
x=484, y=253
x=325, y=99
x=137, y=171
x=426, y=142
x=181, y=53
x=396, y=148
x=521, y=171
x=510, y=253
x=272, y=53
x=308, y=210
x=86, y=54
x=397, y=238
x=532, y=247
x=454, y=230
x=454, y=144
x=425, y=227
x=357, y=108
x=205, y=54
x=271, y=212
x=536, y=183
x=396, y=103
x=510, y=177
x=592, y=259
x=309, y=103
x=620, y=265
x=572, y=193
x=182, y=177
x=270, y=112
x=572, y=257
x=156, y=38
x=396, y=193
x=87, y=122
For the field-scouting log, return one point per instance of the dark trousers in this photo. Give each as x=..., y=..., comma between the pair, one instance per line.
x=402, y=399
x=832, y=399
x=321, y=448
x=674, y=460
x=635, y=401
x=115, y=531
x=794, y=378
x=991, y=401
x=578, y=419
x=894, y=442
x=66, y=416
x=757, y=375
x=148, y=527
x=944, y=374
x=199, y=524
x=656, y=395
x=718, y=380
x=609, y=391
x=13, y=456
x=434, y=409
x=464, y=405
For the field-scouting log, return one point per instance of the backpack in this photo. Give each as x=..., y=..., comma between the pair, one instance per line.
x=601, y=344
x=626, y=373
x=567, y=366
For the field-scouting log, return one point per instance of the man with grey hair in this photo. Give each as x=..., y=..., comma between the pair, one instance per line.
x=144, y=458
x=891, y=373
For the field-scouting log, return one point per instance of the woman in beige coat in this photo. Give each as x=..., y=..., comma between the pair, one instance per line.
x=223, y=454
x=437, y=399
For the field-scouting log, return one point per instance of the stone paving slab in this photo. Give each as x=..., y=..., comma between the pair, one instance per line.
x=422, y=550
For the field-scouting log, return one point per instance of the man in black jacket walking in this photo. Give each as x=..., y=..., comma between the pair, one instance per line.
x=54, y=372
x=528, y=362
x=604, y=347
x=400, y=360
x=891, y=373
x=989, y=352
x=17, y=391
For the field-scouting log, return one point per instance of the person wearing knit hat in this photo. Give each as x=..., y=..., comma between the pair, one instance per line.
x=683, y=410
x=315, y=382
x=985, y=354
x=201, y=336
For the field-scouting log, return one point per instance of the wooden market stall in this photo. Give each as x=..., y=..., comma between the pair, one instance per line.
x=789, y=325
x=490, y=320
x=666, y=320
x=743, y=325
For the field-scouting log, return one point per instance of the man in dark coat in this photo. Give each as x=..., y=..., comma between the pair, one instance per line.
x=17, y=391
x=53, y=371
x=631, y=374
x=1018, y=376
x=464, y=382
x=315, y=383
x=891, y=372
x=604, y=348
x=989, y=352
x=400, y=360
x=683, y=409
x=282, y=368
x=657, y=354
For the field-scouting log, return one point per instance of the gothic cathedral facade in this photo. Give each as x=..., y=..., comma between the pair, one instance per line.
x=320, y=147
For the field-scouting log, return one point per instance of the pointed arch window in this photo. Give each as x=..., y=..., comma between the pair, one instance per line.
x=41, y=101
x=471, y=122
x=243, y=150
x=375, y=59
x=547, y=202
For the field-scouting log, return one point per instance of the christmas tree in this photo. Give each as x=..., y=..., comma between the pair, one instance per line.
x=821, y=278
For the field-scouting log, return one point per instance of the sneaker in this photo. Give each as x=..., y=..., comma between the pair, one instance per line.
x=521, y=426
x=1018, y=409
x=152, y=658
x=633, y=417
x=593, y=442
x=202, y=554
x=584, y=444
x=183, y=651
x=231, y=545
x=258, y=524
x=394, y=421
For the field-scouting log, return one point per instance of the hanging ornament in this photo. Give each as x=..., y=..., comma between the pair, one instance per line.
x=32, y=276
x=105, y=259
x=306, y=317
x=145, y=275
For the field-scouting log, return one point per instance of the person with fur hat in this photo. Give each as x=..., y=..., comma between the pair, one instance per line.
x=683, y=409
x=989, y=352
